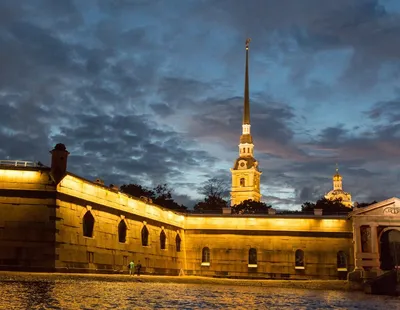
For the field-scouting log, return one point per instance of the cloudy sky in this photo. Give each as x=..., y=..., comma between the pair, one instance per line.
x=151, y=91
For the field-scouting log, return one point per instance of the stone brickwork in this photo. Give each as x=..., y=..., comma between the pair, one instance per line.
x=275, y=240
x=41, y=225
x=103, y=252
x=27, y=214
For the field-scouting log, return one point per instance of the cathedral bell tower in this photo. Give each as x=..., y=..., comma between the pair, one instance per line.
x=245, y=172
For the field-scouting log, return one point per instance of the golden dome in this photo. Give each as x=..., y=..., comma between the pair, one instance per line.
x=337, y=176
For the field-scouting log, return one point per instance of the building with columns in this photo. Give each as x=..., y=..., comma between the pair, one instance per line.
x=245, y=172
x=376, y=238
x=337, y=193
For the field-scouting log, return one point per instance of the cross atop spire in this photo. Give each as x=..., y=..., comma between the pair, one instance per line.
x=246, y=110
x=337, y=167
x=248, y=40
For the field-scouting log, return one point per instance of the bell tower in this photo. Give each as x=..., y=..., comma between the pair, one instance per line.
x=245, y=172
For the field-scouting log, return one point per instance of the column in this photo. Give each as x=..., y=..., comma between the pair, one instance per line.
x=357, y=247
x=375, y=247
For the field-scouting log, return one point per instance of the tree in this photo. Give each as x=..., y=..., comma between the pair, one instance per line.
x=364, y=204
x=160, y=195
x=163, y=197
x=215, y=190
x=251, y=207
x=136, y=190
x=327, y=206
x=162, y=191
x=211, y=205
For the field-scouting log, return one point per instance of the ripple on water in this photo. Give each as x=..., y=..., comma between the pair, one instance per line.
x=93, y=294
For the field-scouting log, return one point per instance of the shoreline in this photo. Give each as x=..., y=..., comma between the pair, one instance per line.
x=335, y=285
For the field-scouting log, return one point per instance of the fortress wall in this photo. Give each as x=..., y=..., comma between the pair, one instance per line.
x=76, y=196
x=276, y=241
x=94, y=193
x=27, y=210
x=42, y=226
x=270, y=222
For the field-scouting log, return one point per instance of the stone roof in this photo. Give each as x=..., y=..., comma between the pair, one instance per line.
x=246, y=139
x=251, y=162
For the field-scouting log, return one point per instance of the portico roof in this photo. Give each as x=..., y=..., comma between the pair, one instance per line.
x=394, y=202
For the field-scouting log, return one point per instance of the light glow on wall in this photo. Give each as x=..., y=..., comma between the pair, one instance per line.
x=19, y=176
x=92, y=192
x=269, y=223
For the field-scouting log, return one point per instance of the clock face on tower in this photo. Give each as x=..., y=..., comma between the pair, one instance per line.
x=242, y=164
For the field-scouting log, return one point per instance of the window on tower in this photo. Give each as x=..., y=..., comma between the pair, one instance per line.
x=242, y=182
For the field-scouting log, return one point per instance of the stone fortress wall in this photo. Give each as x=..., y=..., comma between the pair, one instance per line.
x=42, y=223
x=27, y=214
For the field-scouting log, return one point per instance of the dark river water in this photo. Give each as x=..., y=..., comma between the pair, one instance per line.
x=65, y=293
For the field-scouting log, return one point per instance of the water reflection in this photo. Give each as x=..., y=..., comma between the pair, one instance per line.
x=69, y=293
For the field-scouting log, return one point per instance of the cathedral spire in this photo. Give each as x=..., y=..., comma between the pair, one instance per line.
x=245, y=172
x=246, y=110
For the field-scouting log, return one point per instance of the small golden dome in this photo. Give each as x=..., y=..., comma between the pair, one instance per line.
x=337, y=176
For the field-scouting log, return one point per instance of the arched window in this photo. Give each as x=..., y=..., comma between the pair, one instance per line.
x=145, y=236
x=299, y=259
x=122, y=231
x=205, y=257
x=163, y=239
x=178, y=243
x=252, y=257
x=88, y=224
x=242, y=182
x=341, y=261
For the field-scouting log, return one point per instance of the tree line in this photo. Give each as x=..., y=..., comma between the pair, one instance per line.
x=216, y=195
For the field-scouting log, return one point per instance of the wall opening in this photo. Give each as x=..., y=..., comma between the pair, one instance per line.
x=90, y=257
x=242, y=182
x=390, y=250
x=163, y=240
x=88, y=224
x=178, y=243
x=122, y=231
x=341, y=261
x=252, y=258
x=145, y=236
x=299, y=259
x=205, y=257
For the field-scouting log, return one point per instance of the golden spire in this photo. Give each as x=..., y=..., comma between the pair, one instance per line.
x=246, y=110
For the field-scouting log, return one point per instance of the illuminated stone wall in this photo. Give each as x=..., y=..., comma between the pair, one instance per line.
x=77, y=196
x=42, y=225
x=275, y=239
x=27, y=212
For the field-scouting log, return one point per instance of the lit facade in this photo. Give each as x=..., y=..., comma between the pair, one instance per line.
x=52, y=220
x=337, y=192
x=245, y=172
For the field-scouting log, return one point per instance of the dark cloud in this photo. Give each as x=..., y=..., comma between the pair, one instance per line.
x=151, y=91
